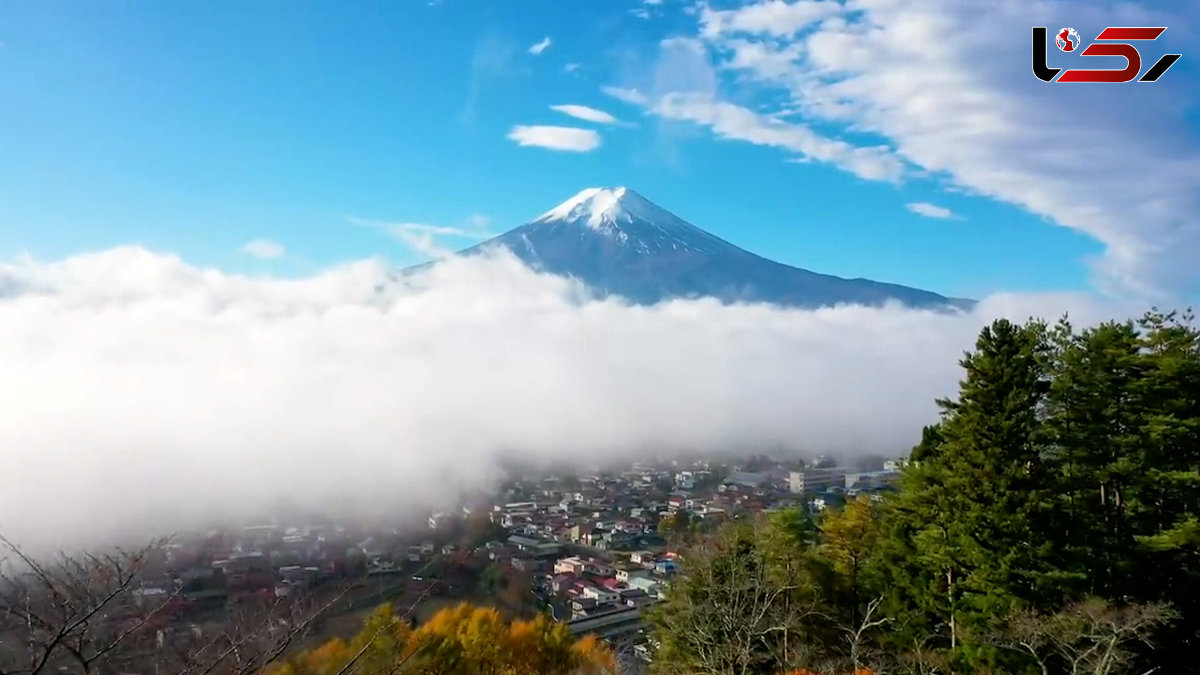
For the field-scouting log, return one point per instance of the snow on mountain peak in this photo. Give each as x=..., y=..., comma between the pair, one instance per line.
x=600, y=207
x=631, y=220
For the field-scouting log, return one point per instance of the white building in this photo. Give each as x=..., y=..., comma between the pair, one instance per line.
x=600, y=594
x=625, y=576
x=641, y=558
x=572, y=565
x=815, y=481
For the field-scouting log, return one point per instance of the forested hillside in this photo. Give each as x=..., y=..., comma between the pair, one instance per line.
x=1047, y=524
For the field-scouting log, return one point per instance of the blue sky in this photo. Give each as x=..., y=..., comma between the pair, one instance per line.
x=196, y=128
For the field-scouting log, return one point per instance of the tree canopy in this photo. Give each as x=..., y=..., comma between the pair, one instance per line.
x=460, y=640
x=1049, y=522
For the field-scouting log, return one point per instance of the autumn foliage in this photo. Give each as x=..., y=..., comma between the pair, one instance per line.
x=462, y=640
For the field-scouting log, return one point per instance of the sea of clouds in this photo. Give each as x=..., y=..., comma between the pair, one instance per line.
x=141, y=395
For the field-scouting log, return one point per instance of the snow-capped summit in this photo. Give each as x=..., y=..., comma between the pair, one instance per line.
x=629, y=220
x=620, y=243
x=597, y=207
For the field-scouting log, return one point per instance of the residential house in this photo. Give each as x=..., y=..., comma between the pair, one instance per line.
x=628, y=574
x=746, y=481
x=534, y=546
x=529, y=564
x=641, y=558
x=649, y=585
x=560, y=583
x=666, y=567
x=602, y=595
x=573, y=565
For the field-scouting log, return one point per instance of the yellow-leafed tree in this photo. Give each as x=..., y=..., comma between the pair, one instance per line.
x=848, y=536
x=461, y=640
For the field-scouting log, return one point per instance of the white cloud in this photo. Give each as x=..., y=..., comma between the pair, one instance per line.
x=572, y=67
x=585, y=113
x=159, y=393
x=632, y=96
x=569, y=139
x=929, y=210
x=425, y=238
x=645, y=11
x=774, y=17
x=1120, y=164
x=733, y=122
x=540, y=47
x=684, y=87
x=443, y=230
x=264, y=249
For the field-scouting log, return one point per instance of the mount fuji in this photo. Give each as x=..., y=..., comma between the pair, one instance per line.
x=619, y=243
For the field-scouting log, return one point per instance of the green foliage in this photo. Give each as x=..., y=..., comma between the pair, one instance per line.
x=969, y=509
x=1058, y=497
x=848, y=537
x=1124, y=415
x=491, y=580
x=748, y=604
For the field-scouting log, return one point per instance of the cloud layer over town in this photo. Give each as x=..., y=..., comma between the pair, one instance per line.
x=141, y=391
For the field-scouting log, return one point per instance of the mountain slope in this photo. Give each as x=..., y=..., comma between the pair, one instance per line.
x=619, y=243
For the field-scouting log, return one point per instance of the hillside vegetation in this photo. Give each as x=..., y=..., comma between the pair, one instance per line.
x=1047, y=524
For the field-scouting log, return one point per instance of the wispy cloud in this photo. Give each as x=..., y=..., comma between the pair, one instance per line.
x=492, y=58
x=628, y=95
x=955, y=108
x=929, y=210
x=568, y=139
x=684, y=87
x=572, y=67
x=264, y=249
x=645, y=12
x=734, y=122
x=540, y=47
x=585, y=113
x=426, y=238
x=771, y=17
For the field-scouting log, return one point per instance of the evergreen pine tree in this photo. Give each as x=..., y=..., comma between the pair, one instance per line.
x=971, y=505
